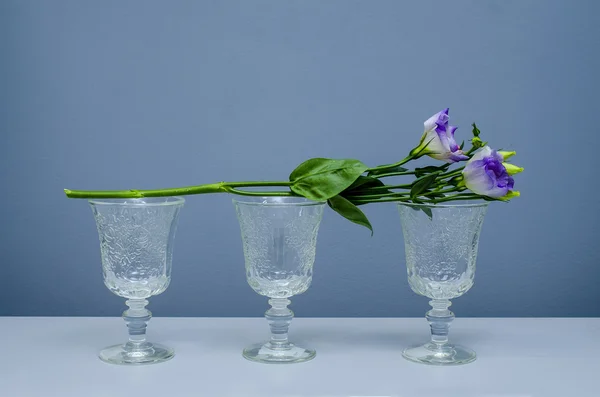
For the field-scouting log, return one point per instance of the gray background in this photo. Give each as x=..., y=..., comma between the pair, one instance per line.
x=147, y=94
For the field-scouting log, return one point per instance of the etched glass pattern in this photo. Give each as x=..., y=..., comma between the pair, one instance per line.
x=279, y=238
x=441, y=251
x=136, y=247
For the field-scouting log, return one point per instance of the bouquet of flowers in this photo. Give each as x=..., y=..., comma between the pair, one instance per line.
x=347, y=184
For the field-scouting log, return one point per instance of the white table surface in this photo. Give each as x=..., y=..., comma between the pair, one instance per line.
x=56, y=356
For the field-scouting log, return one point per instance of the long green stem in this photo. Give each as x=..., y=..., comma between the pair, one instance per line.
x=388, y=166
x=414, y=154
x=375, y=196
x=464, y=196
x=455, y=197
x=455, y=172
x=257, y=184
x=394, y=174
x=387, y=187
x=260, y=194
x=383, y=200
x=220, y=187
x=442, y=191
x=473, y=149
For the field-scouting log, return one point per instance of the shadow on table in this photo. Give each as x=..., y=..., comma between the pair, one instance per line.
x=207, y=337
x=216, y=336
x=384, y=339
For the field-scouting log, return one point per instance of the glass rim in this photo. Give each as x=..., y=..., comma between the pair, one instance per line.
x=124, y=202
x=260, y=201
x=444, y=205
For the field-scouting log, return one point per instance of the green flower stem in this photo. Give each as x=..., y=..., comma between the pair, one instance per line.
x=383, y=200
x=394, y=174
x=387, y=187
x=221, y=187
x=471, y=151
x=388, y=166
x=455, y=197
x=375, y=196
x=260, y=194
x=440, y=190
x=452, y=173
x=257, y=184
x=475, y=147
x=460, y=196
x=373, y=192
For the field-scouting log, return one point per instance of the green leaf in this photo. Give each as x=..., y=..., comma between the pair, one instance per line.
x=476, y=131
x=349, y=211
x=435, y=195
x=462, y=145
x=422, y=184
x=425, y=209
x=428, y=212
x=321, y=178
x=361, y=187
x=387, y=171
x=419, y=172
x=365, y=182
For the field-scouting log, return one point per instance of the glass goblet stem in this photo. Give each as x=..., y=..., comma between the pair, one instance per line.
x=136, y=318
x=440, y=318
x=279, y=317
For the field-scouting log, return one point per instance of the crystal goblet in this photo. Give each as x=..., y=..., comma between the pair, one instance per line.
x=279, y=236
x=136, y=246
x=441, y=250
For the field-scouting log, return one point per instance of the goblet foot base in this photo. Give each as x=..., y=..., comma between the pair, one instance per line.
x=152, y=353
x=264, y=353
x=431, y=354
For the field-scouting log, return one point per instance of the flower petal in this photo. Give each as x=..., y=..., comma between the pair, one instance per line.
x=511, y=183
x=438, y=119
x=435, y=144
x=482, y=153
x=444, y=141
x=484, y=174
x=476, y=177
x=452, y=142
x=451, y=130
x=457, y=156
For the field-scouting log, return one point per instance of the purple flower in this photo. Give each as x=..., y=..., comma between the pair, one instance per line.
x=485, y=175
x=438, y=139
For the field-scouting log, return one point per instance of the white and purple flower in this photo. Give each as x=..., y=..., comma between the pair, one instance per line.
x=438, y=139
x=486, y=175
